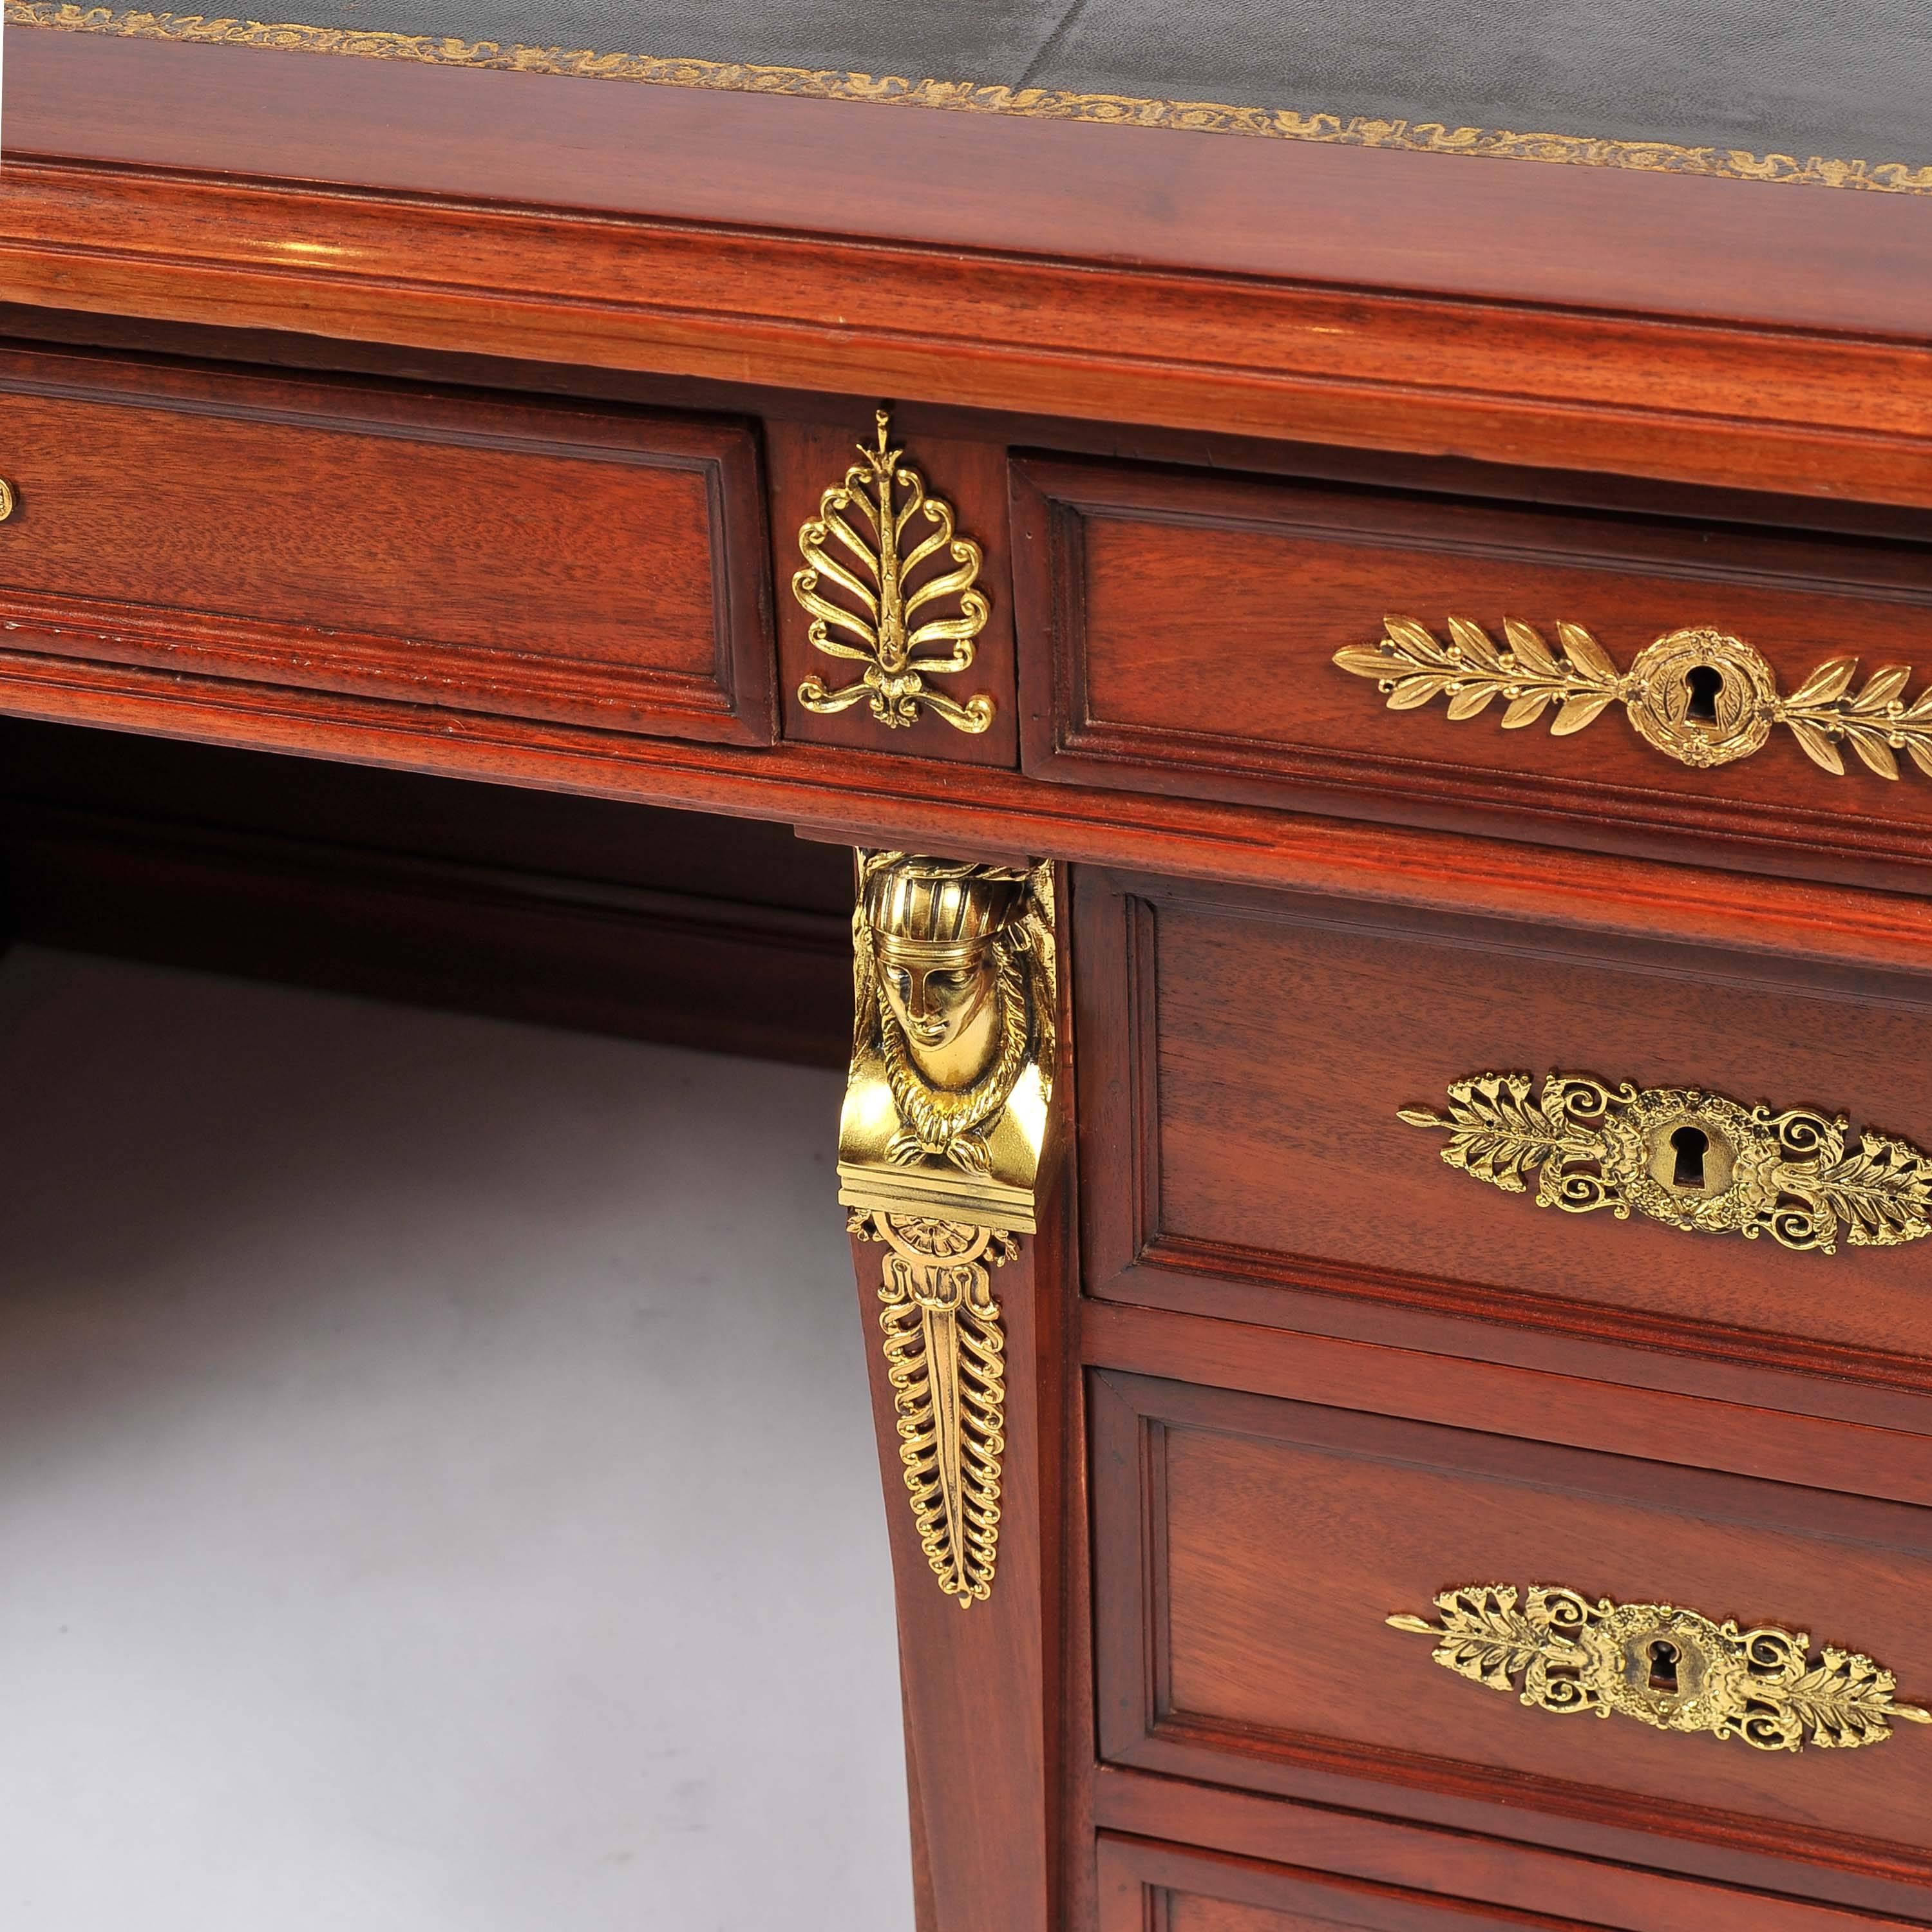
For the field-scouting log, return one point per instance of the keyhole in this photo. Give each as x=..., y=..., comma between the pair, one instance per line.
x=1663, y=1668
x=1705, y=684
x=1690, y=1144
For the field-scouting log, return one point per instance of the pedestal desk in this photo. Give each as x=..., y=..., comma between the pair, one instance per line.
x=1369, y=664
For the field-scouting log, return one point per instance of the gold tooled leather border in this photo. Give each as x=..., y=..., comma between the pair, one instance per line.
x=973, y=97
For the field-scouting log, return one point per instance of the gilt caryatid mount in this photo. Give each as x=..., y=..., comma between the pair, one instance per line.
x=940, y=1145
x=1699, y=695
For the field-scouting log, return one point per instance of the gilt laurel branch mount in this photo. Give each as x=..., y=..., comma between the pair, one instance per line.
x=956, y=983
x=1700, y=696
x=1693, y=1160
x=886, y=578
x=1673, y=1669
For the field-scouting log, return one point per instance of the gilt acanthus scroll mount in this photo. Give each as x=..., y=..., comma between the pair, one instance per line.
x=890, y=584
x=1700, y=1162
x=1699, y=695
x=1675, y=1669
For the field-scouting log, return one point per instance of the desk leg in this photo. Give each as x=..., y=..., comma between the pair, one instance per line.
x=960, y=1236
x=980, y=1680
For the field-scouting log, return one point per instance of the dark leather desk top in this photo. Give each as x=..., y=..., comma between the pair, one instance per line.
x=1839, y=78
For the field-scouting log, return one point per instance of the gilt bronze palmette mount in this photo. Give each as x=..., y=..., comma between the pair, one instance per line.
x=890, y=585
x=1693, y=1160
x=1699, y=695
x=955, y=984
x=1673, y=1669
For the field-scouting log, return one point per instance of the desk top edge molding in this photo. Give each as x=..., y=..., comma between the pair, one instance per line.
x=1354, y=296
x=1767, y=157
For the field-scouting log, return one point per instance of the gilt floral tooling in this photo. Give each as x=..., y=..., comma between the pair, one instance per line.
x=1700, y=696
x=889, y=586
x=1556, y=1650
x=1695, y=1161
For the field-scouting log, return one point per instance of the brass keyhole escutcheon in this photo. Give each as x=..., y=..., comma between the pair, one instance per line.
x=1699, y=695
x=1701, y=1162
x=7, y=499
x=1703, y=696
x=1691, y=1159
x=1560, y=1651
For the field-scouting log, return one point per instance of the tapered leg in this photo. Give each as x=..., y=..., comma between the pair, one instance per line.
x=980, y=1690
x=959, y=1237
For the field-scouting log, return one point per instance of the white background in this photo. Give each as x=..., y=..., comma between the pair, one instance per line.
x=437, y=1485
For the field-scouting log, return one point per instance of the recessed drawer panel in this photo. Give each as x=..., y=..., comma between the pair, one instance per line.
x=1180, y=631
x=1590, y=1649
x=1144, y=1883
x=1298, y=1108
x=536, y=560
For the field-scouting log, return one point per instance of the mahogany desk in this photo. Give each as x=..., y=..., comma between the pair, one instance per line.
x=1393, y=1036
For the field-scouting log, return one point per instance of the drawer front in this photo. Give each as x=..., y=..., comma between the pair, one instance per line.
x=557, y=562
x=1249, y=1552
x=1146, y=1886
x=1276, y=1065
x=1182, y=633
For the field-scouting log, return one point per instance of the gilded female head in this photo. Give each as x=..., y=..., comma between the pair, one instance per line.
x=947, y=954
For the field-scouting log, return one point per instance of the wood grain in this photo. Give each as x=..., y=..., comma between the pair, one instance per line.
x=1688, y=1431
x=1276, y=1843
x=1244, y=1547
x=350, y=578
x=982, y=1684
x=891, y=799
x=1172, y=1890
x=1290, y=210
x=544, y=560
x=1376, y=300
x=1248, y=1056
x=1184, y=626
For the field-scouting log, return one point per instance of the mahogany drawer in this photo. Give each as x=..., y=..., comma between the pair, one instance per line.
x=1248, y=1552
x=1146, y=1886
x=536, y=560
x=1179, y=632
x=1246, y=1059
